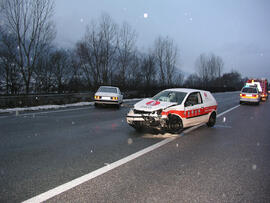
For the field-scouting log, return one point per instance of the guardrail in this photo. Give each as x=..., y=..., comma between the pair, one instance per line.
x=50, y=99
x=40, y=99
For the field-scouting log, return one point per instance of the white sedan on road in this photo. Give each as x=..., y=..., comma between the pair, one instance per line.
x=174, y=109
x=108, y=95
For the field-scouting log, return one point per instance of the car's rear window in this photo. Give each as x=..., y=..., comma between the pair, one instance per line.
x=249, y=90
x=107, y=89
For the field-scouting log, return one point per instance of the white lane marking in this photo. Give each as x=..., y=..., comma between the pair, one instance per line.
x=75, y=182
x=62, y=188
x=224, y=112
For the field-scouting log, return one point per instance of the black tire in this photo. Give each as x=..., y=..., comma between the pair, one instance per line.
x=118, y=106
x=212, y=120
x=138, y=128
x=96, y=105
x=175, y=124
x=240, y=102
x=257, y=103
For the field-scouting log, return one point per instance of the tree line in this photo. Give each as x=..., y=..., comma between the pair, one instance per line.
x=106, y=55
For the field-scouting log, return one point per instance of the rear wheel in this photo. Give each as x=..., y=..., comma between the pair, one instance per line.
x=96, y=105
x=240, y=102
x=212, y=120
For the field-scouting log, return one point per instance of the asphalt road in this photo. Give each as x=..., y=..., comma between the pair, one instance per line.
x=42, y=150
x=228, y=163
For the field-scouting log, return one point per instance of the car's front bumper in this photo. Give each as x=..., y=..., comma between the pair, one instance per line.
x=146, y=120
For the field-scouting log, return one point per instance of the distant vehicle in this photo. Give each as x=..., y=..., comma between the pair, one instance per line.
x=250, y=95
x=108, y=95
x=261, y=84
x=174, y=109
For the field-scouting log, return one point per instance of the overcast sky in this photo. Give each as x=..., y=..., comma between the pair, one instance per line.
x=236, y=30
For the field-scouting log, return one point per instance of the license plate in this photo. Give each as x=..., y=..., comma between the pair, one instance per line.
x=106, y=98
x=249, y=95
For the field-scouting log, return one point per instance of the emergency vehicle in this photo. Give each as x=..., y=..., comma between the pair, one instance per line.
x=174, y=109
x=261, y=84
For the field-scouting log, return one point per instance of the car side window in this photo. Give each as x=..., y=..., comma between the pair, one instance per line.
x=192, y=99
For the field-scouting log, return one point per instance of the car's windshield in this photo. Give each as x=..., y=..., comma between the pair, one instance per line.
x=107, y=89
x=170, y=96
x=249, y=90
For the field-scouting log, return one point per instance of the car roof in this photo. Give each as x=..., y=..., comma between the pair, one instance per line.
x=250, y=87
x=186, y=90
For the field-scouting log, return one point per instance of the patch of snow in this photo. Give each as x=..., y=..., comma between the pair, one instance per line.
x=44, y=107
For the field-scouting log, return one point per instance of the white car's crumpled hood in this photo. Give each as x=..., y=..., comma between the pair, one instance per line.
x=150, y=105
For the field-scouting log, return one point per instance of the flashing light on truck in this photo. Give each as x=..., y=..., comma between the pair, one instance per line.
x=262, y=86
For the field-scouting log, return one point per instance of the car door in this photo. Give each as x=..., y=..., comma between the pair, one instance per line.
x=194, y=109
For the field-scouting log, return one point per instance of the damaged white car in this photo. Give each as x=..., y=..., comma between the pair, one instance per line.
x=174, y=109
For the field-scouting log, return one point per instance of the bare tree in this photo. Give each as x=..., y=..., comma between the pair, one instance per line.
x=160, y=58
x=43, y=73
x=219, y=65
x=108, y=36
x=209, y=67
x=193, y=81
x=171, y=56
x=125, y=49
x=179, y=79
x=60, y=64
x=97, y=51
x=201, y=66
x=30, y=22
x=134, y=73
x=76, y=80
x=9, y=76
x=232, y=79
x=166, y=53
x=149, y=70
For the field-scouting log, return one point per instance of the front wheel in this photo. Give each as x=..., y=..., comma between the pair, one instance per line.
x=175, y=124
x=212, y=120
x=137, y=127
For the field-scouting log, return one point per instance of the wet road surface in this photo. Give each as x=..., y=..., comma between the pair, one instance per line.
x=42, y=150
